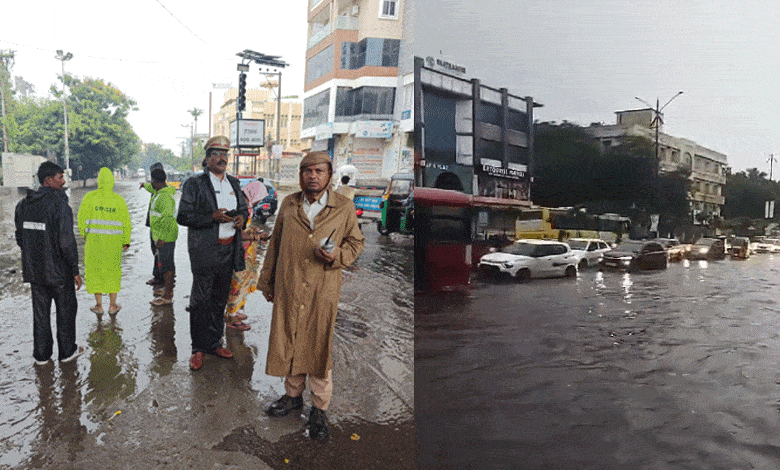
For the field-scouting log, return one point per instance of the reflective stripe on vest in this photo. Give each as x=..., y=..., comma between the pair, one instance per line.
x=103, y=222
x=103, y=231
x=155, y=214
x=33, y=225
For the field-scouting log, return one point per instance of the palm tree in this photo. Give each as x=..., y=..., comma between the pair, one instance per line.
x=195, y=113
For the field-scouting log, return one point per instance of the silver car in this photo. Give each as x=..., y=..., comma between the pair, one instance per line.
x=526, y=259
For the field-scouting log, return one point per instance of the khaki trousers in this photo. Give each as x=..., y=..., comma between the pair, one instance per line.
x=321, y=388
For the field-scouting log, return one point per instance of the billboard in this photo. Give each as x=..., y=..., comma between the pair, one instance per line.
x=247, y=133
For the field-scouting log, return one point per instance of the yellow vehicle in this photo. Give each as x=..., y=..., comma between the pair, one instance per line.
x=561, y=224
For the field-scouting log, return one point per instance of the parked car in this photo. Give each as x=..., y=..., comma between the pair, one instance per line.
x=634, y=255
x=526, y=259
x=677, y=251
x=708, y=249
x=740, y=248
x=588, y=251
x=766, y=245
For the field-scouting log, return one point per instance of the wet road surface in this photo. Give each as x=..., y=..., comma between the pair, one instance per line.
x=659, y=370
x=132, y=402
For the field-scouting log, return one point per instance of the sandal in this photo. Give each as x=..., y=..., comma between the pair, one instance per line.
x=96, y=310
x=115, y=311
x=239, y=325
x=161, y=301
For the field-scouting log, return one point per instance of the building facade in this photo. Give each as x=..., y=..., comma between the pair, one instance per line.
x=351, y=82
x=707, y=167
x=473, y=138
x=261, y=103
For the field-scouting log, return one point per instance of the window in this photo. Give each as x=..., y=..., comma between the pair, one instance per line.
x=315, y=109
x=368, y=100
x=376, y=52
x=320, y=64
x=388, y=9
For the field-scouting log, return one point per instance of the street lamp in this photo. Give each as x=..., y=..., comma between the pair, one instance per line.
x=657, y=119
x=275, y=62
x=63, y=57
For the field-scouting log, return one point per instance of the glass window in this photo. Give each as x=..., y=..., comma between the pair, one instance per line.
x=490, y=113
x=388, y=9
x=315, y=109
x=517, y=121
x=376, y=52
x=320, y=64
x=390, y=51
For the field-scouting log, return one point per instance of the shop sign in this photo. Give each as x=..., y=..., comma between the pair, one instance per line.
x=503, y=172
x=374, y=129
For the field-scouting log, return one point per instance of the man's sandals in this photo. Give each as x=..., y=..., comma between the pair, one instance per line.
x=239, y=325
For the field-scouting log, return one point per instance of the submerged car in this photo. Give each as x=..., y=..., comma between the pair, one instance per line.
x=708, y=249
x=526, y=259
x=634, y=255
x=588, y=251
x=677, y=251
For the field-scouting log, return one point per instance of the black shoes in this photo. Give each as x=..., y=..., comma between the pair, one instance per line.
x=284, y=405
x=318, y=424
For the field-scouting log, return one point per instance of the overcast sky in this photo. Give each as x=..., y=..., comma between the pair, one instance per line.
x=585, y=59
x=164, y=54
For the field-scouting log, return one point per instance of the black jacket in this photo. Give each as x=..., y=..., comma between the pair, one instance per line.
x=198, y=203
x=44, y=232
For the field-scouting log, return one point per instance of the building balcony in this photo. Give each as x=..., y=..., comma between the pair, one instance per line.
x=708, y=177
x=699, y=196
x=348, y=23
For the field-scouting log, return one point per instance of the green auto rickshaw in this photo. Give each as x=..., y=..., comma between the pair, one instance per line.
x=396, y=204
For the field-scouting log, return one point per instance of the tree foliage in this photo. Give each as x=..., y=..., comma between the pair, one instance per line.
x=98, y=131
x=571, y=170
x=746, y=193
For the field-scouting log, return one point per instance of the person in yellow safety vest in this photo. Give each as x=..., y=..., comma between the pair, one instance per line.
x=165, y=231
x=104, y=222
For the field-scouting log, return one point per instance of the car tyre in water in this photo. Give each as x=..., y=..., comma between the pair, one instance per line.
x=571, y=271
x=524, y=275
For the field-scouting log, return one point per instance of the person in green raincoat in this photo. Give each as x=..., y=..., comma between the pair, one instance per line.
x=104, y=222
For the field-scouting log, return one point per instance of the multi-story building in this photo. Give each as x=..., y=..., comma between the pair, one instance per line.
x=261, y=104
x=350, y=85
x=473, y=138
x=707, y=167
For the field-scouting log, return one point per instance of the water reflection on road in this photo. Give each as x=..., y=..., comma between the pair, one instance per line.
x=666, y=369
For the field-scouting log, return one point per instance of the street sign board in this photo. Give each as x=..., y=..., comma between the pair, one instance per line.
x=247, y=133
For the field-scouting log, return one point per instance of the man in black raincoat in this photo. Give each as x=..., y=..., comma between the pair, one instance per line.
x=50, y=263
x=213, y=208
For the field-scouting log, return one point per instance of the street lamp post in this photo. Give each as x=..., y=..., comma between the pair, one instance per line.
x=657, y=119
x=62, y=58
x=271, y=61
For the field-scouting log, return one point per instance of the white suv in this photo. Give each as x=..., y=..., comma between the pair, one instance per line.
x=588, y=251
x=526, y=259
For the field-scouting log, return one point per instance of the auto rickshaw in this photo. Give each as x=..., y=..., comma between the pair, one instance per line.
x=394, y=203
x=740, y=248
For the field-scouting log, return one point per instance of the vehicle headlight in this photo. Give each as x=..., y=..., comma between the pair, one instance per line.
x=704, y=250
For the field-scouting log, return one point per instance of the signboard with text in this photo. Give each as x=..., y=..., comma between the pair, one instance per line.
x=374, y=129
x=247, y=133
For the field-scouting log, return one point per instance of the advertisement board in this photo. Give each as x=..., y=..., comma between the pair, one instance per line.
x=374, y=129
x=247, y=133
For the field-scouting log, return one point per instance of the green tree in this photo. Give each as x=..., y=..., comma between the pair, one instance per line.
x=746, y=193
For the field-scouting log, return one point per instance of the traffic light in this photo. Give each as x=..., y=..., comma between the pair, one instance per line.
x=241, y=91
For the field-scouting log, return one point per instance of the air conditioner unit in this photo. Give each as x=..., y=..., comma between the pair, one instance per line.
x=355, y=10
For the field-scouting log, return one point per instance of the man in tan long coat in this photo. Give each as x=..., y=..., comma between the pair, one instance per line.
x=303, y=280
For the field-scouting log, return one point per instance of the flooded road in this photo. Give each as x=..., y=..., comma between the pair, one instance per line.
x=132, y=402
x=659, y=370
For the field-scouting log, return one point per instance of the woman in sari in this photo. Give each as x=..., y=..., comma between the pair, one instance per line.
x=243, y=282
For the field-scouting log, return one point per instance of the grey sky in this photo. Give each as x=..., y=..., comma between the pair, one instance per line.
x=584, y=60
x=167, y=63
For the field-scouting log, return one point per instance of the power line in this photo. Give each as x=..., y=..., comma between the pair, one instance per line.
x=180, y=22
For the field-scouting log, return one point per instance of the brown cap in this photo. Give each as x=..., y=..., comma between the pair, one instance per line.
x=219, y=142
x=314, y=158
